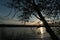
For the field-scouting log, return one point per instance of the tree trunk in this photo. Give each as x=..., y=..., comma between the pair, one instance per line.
x=48, y=29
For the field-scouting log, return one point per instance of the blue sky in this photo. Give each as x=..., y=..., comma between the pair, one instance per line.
x=5, y=10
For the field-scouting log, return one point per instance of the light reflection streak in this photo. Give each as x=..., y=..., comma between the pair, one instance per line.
x=41, y=31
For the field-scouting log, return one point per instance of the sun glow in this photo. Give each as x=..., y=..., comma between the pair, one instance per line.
x=37, y=23
x=41, y=22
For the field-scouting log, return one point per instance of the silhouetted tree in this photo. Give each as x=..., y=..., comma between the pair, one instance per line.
x=35, y=7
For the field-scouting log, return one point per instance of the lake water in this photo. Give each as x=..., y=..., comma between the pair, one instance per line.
x=29, y=33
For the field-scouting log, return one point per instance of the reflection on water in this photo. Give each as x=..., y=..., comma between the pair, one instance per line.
x=41, y=31
x=17, y=32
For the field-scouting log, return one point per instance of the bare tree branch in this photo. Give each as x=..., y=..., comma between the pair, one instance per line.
x=15, y=13
x=36, y=16
x=9, y=13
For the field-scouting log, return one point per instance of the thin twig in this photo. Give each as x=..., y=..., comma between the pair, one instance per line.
x=9, y=13
x=15, y=13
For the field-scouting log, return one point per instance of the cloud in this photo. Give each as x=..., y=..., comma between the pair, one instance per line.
x=5, y=20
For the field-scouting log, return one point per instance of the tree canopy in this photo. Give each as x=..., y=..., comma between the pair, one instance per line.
x=38, y=8
x=49, y=8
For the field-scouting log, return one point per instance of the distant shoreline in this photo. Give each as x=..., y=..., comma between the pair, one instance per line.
x=15, y=25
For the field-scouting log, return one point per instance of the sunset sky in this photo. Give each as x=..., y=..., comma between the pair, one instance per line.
x=5, y=11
